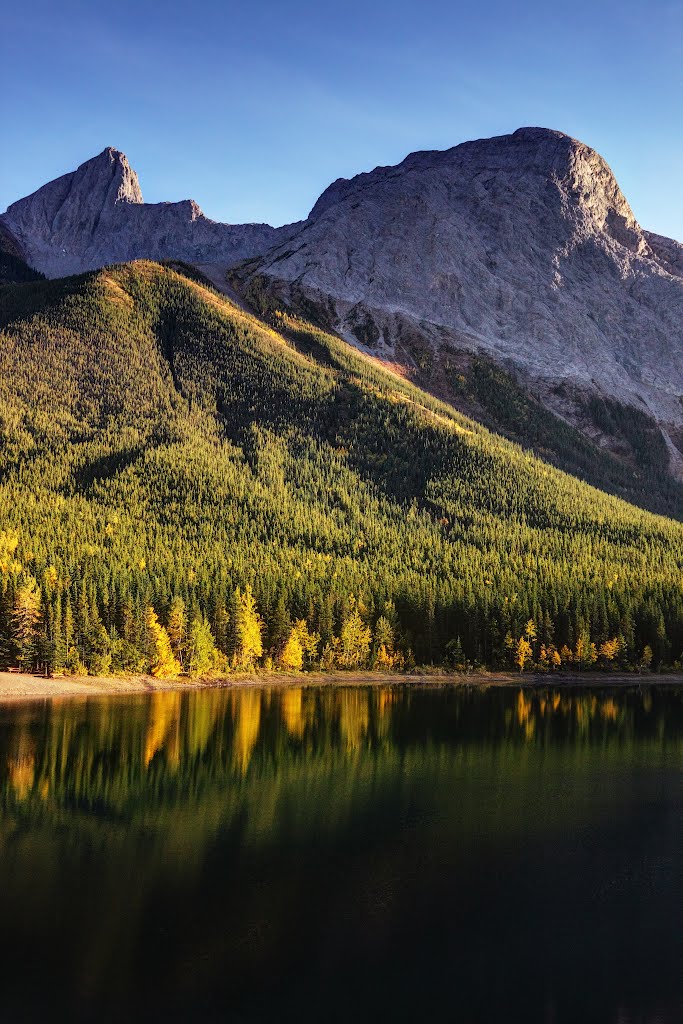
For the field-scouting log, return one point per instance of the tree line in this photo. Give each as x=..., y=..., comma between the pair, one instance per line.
x=54, y=627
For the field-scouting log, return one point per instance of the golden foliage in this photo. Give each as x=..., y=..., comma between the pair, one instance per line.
x=162, y=661
x=248, y=630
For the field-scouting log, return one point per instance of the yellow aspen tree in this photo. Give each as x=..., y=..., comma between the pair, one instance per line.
x=585, y=652
x=550, y=657
x=330, y=657
x=522, y=653
x=162, y=661
x=248, y=630
x=9, y=541
x=203, y=655
x=310, y=641
x=609, y=650
x=292, y=655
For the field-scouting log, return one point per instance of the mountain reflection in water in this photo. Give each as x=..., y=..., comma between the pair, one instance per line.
x=344, y=853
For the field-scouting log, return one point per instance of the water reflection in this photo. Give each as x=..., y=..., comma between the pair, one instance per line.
x=93, y=746
x=233, y=854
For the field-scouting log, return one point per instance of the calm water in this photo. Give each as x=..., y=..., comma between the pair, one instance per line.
x=344, y=855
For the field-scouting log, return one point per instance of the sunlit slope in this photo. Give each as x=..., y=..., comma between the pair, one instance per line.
x=158, y=440
x=625, y=454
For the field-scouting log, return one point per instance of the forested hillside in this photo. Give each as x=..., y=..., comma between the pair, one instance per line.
x=619, y=449
x=183, y=486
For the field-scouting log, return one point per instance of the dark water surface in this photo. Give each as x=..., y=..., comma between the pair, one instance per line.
x=344, y=854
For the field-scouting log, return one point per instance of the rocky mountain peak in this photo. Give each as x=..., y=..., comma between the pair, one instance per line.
x=522, y=247
x=496, y=169
x=84, y=194
x=113, y=165
x=96, y=215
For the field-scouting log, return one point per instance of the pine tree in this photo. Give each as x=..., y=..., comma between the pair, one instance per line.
x=58, y=639
x=222, y=625
x=385, y=655
x=176, y=628
x=100, y=651
x=454, y=653
x=26, y=621
x=279, y=628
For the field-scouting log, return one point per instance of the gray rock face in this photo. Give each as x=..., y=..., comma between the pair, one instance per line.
x=521, y=247
x=96, y=216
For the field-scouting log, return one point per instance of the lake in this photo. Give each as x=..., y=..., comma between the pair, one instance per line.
x=344, y=854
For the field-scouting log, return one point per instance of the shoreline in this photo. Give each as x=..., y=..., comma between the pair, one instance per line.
x=20, y=688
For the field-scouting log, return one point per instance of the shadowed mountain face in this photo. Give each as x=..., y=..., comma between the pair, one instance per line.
x=96, y=216
x=520, y=251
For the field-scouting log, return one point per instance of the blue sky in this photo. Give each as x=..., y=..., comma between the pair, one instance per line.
x=253, y=108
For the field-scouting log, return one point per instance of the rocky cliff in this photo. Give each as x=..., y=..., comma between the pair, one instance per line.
x=96, y=216
x=520, y=247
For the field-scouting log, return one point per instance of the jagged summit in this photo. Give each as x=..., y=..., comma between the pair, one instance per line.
x=113, y=164
x=129, y=190
x=96, y=215
x=100, y=182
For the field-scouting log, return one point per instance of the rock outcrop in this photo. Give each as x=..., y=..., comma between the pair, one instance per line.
x=520, y=247
x=96, y=216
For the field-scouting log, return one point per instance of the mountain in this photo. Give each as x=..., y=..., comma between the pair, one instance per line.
x=507, y=276
x=96, y=216
x=159, y=444
x=519, y=249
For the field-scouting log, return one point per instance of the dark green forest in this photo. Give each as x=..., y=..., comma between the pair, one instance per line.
x=186, y=488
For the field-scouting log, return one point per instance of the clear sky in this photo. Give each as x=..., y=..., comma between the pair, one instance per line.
x=253, y=108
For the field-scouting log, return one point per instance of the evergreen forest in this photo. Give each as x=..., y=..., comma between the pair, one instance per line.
x=187, y=488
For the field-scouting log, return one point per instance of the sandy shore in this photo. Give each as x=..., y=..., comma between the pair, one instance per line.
x=18, y=687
